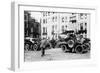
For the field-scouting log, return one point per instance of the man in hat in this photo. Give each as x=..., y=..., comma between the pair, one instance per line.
x=43, y=46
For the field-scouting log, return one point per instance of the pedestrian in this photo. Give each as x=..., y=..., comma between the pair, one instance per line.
x=43, y=43
x=43, y=51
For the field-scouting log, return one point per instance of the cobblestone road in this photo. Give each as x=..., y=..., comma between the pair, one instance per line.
x=53, y=54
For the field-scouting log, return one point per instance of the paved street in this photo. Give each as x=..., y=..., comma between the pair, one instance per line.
x=53, y=54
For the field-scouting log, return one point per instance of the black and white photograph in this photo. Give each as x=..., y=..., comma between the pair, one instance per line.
x=53, y=37
x=50, y=35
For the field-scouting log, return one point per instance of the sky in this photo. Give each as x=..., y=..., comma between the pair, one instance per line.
x=36, y=15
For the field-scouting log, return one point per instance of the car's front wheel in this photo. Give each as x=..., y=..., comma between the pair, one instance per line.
x=26, y=47
x=35, y=47
x=86, y=47
x=64, y=48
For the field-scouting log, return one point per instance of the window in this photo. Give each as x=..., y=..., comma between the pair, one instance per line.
x=53, y=12
x=73, y=13
x=73, y=21
x=62, y=19
x=56, y=18
x=85, y=16
x=85, y=24
x=81, y=26
x=31, y=29
x=43, y=14
x=62, y=28
x=43, y=29
x=81, y=15
x=43, y=21
x=52, y=30
x=46, y=30
x=53, y=19
x=46, y=21
x=66, y=19
x=48, y=13
x=26, y=17
x=66, y=26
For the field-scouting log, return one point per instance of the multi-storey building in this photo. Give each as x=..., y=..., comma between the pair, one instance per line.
x=54, y=24
x=83, y=24
x=32, y=28
x=49, y=25
x=26, y=23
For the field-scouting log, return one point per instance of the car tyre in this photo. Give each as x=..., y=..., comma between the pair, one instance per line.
x=64, y=48
x=79, y=49
x=26, y=47
x=35, y=47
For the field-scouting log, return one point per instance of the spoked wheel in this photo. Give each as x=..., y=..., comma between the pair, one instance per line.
x=79, y=49
x=86, y=47
x=64, y=48
x=26, y=47
x=35, y=47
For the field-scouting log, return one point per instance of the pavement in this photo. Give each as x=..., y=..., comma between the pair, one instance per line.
x=53, y=54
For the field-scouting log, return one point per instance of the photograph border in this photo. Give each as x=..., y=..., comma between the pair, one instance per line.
x=16, y=64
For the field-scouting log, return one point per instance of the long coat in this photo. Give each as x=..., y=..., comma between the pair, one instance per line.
x=43, y=43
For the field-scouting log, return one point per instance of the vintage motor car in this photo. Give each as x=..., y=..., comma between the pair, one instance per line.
x=33, y=44
x=74, y=44
x=53, y=43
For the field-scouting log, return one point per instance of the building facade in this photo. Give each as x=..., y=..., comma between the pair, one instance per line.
x=54, y=24
x=32, y=28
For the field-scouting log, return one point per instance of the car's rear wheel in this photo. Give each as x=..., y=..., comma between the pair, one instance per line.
x=64, y=48
x=79, y=49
